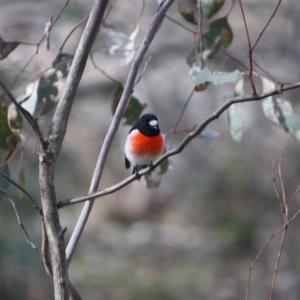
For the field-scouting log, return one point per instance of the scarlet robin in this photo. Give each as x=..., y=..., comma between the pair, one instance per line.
x=144, y=143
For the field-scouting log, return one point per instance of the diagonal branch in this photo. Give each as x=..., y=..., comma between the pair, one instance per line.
x=153, y=28
x=181, y=146
x=35, y=205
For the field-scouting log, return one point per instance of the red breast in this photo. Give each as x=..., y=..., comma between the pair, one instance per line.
x=142, y=145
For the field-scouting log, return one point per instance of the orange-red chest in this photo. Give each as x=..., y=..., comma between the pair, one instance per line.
x=146, y=145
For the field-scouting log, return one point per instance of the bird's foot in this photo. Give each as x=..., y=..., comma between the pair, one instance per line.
x=136, y=173
x=151, y=167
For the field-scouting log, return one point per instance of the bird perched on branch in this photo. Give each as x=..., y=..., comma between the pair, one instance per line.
x=144, y=143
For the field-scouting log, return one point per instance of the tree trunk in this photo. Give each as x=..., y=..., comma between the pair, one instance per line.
x=54, y=231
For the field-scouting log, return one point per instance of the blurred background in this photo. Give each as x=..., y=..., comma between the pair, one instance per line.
x=198, y=233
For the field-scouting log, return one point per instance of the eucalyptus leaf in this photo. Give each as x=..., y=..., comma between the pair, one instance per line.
x=205, y=75
x=133, y=109
x=188, y=14
x=280, y=111
x=235, y=118
x=209, y=44
x=129, y=48
x=7, y=47
x=211, y=7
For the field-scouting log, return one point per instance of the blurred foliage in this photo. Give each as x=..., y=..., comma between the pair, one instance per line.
x=196, y=236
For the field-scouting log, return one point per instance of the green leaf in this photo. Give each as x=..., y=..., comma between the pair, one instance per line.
x=133, y=109
x=6, y=48
x=153, y=179
x=129, y=48
x=14, y=119
x=205, y=75
x=44, y=93
x=211, y=7
x=208, y=133
x=273, y=108
x=191, y=58
x=4, y=184
x=122, y=41
x=48, y=91
x=281, y=113
x=236, y=123
x=63, y=63
x=164, y=166
x=188, y=14
x=31, y=96
x=5, y=131
x=219, y=35
x=119, y=38
x=152, y=182
x=235, y=118
x=116, y=35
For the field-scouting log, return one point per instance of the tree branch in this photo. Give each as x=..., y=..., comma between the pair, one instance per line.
x=54, y=231
x=154, y=26
x=181, y=146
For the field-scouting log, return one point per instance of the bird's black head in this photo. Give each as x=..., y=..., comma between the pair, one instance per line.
x=148, y=125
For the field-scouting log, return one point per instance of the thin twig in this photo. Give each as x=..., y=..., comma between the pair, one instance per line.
x=278, y=260
x=188, y=138
x=264, y=29
x=144, y=70
x=35, y=205
x=200, y=28
x=15, y=207
x=296, y=191
x=51, y=25
x=284, y=210
x=181, y=25
x=153, y=28
x=249, y=50
x=264, y=247
x=101, y=70
x=180, y=116
x=71, y=32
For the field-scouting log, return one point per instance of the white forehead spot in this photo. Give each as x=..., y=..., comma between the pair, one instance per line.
x=153, y=123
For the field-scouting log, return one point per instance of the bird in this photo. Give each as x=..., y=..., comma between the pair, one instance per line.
x=144, y=143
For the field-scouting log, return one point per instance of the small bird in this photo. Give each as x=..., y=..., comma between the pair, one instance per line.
x=144, y=143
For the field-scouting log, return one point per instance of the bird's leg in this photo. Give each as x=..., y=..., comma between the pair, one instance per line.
x=151, y=167
x=136, y=172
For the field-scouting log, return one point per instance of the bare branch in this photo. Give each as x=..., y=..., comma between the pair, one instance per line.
x=264, y=247
x=71, y=32
x=47, y=159
x=63, y=109
x=180, y=116
x=264, y=29
x=284, y=210
x=154, y=26
x=144, y=70
x=250, y=51
x=181, y=146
